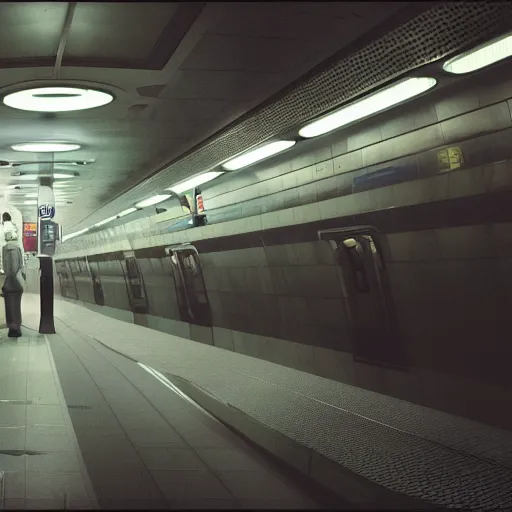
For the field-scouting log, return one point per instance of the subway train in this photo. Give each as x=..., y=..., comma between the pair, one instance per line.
x=403, y=287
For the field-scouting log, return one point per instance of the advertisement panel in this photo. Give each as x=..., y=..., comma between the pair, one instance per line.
x=30, y=236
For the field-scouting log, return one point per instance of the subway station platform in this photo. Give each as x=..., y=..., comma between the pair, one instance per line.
x=106, y=414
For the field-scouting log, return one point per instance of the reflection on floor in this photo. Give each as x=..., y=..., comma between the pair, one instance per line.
x=141, y=444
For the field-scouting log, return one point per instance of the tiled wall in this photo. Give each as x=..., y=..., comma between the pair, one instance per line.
x=452, y=293
x=290, y=292
x=407, y=138
x=476, y=117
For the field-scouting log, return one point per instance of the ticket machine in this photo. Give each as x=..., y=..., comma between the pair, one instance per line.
x=49, y=235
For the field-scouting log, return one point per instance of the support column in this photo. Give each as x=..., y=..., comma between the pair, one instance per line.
x=45, y=212
x=46, y=323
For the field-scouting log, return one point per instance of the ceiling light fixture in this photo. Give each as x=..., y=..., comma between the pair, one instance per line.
x=376, y=102
x=27, y=177
x=126, y=212
x=481, y=56
x=72, y=235
x=258, y=154
x=194, y=182
x=57, y=99
x=60, y=176
x=45, y=147
x=152, y=200
x=110, y=219
x=30, y=201
x=31, y=177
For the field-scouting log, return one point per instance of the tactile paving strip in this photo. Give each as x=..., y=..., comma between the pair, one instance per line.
x=407, y=448
x=436, y=33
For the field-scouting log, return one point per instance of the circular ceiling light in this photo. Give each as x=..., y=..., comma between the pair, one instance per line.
x=45, y=147
x=57, y=99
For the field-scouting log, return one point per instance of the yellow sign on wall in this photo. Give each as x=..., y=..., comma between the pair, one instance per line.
x=450, y=159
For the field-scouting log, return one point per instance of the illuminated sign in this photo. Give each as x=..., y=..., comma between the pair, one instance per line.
x=29, y=229
x=46, y=211
x=30, y=236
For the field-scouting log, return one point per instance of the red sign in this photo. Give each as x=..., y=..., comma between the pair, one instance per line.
x=200, y=204
x=30, y=236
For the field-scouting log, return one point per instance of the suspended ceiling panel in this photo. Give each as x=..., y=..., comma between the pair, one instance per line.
x=117, y=31
x=30, y=31
x=180, y=73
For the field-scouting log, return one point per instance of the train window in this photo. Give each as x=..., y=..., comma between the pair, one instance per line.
x=356, y=259
x=368, y=295
x=135, y=284
x=193, y=276
x=131, y=268
x=190, y=287
x=67, y=280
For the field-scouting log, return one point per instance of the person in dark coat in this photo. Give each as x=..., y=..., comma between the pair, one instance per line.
x=13, y=263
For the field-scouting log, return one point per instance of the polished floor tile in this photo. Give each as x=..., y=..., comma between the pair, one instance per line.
x=182, y=459
x=179, y=485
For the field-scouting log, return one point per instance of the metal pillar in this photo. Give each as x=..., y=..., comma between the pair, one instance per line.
x=46, y=324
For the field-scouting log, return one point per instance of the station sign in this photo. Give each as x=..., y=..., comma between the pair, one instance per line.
x=46, y=211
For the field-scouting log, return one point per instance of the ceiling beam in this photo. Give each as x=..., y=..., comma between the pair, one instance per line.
x=64, y=38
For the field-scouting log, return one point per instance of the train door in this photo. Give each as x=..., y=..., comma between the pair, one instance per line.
x=367, y=293
x=67, y=279
x=97, y=287
x=134, y=284
x=190, y=289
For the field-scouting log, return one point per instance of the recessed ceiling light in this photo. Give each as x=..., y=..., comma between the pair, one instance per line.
x=57, y=99
x=258, y=154
x=127, y=212
x=481, y=56
x=194, y=182
x=152, y=200
x=368, y=106
x=45, y=147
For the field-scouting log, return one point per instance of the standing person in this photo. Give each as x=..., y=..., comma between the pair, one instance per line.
x=13, y=286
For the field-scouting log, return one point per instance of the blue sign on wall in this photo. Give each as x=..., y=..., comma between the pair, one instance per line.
x=46, y=211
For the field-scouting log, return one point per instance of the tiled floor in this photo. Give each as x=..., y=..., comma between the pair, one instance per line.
x=414, y=450
x=84, y=427
x=39, y=462
x=146, y=447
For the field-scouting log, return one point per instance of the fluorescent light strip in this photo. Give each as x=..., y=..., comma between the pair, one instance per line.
x=194, y=182
x=106, y=221
x=480, y=57
x=127, y=212
x=72, y=235
x=57, y=176
x=258, y=154
x=377, y=102
x=152, y=200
